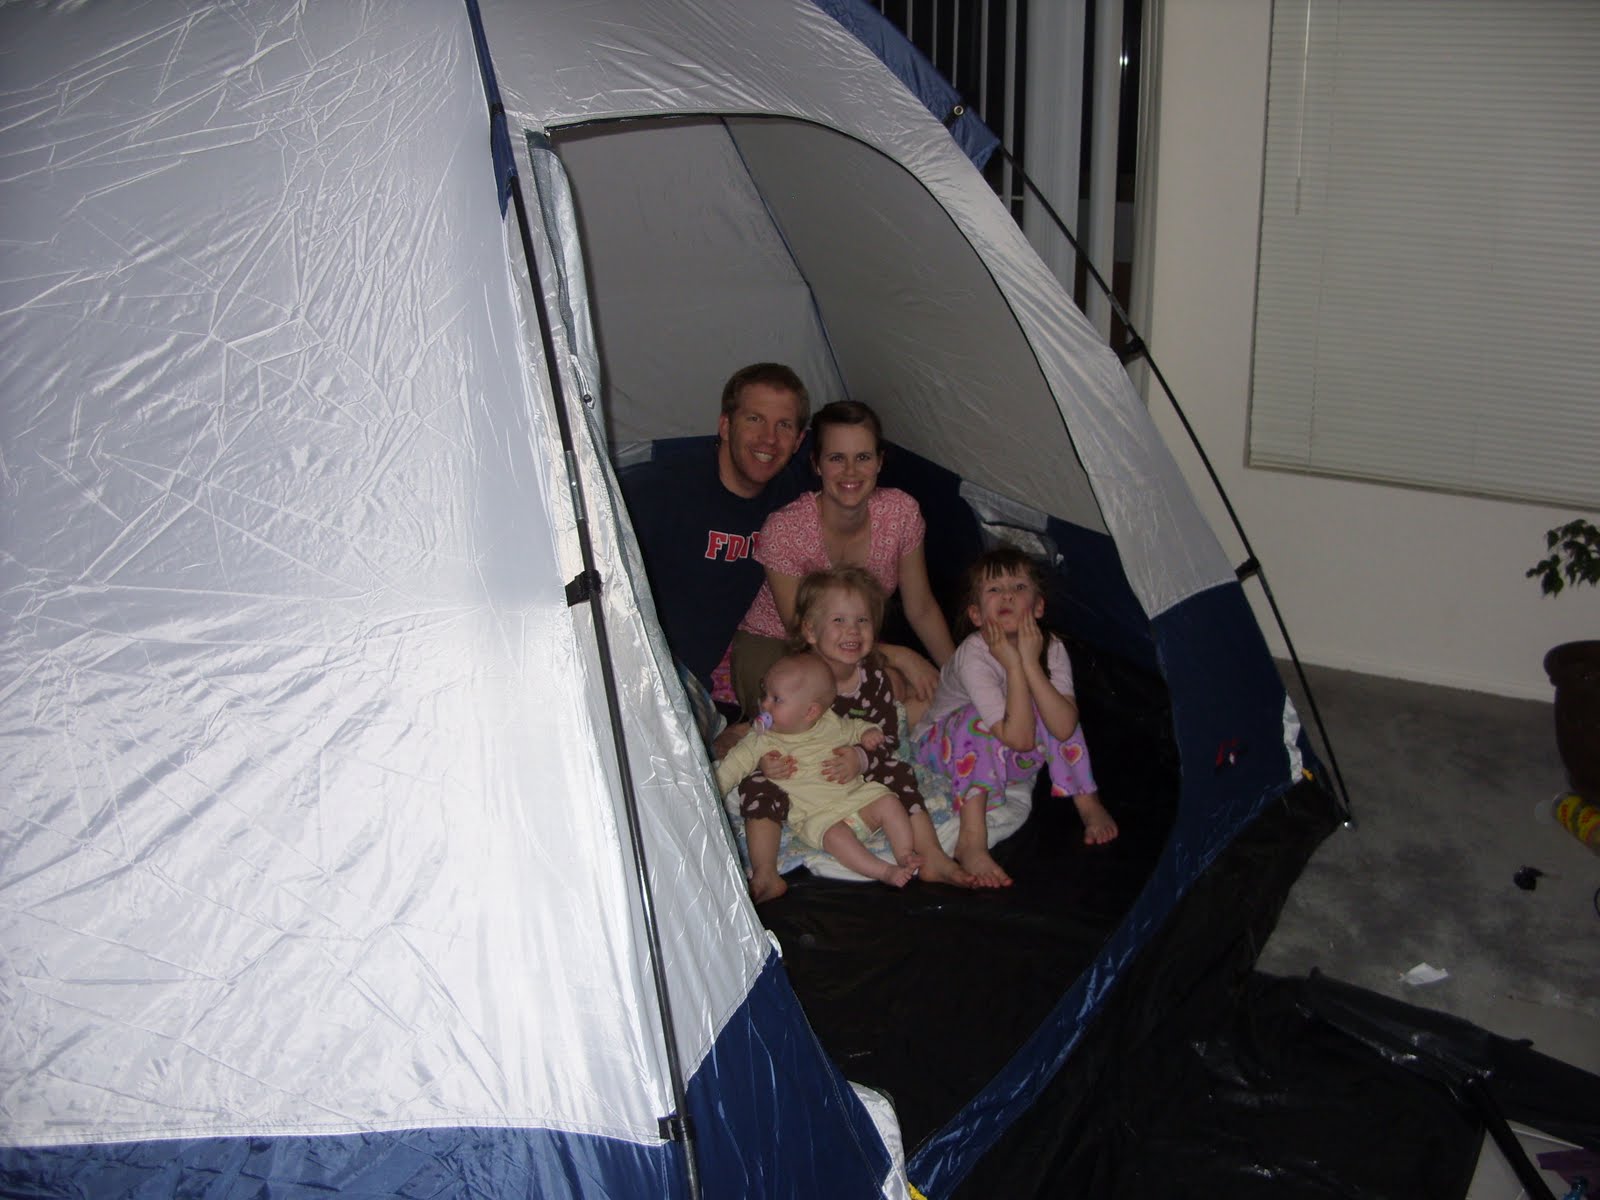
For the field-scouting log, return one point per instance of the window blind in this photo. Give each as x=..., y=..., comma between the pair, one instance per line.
x=1428, y=292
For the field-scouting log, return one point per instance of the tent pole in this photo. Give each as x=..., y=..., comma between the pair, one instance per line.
x=1251, y=566
x=587, y=588
x=1137, y=347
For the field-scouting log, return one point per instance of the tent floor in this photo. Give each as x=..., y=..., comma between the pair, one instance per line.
x=924, y=993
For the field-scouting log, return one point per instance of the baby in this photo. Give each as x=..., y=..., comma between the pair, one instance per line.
x=825, y=812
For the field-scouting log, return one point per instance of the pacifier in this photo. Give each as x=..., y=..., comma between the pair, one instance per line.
x=762, y=721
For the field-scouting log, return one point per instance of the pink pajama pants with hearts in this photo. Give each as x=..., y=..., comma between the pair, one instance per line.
x=960, y=747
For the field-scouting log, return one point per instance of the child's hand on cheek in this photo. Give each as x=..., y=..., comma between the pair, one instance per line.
x=1002, y=647
x=1030, y=638
x=777, y=765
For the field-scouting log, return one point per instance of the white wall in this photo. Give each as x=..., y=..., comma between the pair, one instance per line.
x=1385, y=580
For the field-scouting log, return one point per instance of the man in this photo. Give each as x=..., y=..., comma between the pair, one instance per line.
x=697, y=513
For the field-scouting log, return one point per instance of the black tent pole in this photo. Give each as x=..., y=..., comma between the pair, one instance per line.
x=1137, y=348
x=586, y=588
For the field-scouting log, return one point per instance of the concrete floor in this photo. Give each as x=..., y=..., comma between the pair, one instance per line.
x=1452, y=793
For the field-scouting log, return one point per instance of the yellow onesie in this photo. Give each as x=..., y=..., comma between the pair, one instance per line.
x=815, y=803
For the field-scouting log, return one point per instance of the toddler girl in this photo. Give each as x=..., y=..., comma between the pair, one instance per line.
x=1004, y=709
x=837, y=614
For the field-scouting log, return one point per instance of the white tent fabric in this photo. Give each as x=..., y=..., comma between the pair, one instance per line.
x=293, y=701
x=759, y=59
x=702, y=219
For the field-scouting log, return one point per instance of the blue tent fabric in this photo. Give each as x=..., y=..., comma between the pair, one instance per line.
x=432, y=1163
x=1228, y=715
x=1225, y=697
x=913, y=69
x=767, y=1074
x=499, y=135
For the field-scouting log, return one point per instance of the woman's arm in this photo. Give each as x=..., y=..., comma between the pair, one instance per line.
x=922, y=610
x=922, y=613
x=784, y=589
x=919, y=676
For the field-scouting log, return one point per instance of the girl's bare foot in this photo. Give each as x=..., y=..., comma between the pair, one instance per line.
x=986, y=873
x=937, y=866
x=1099, y=827
x=972, y=844
x=766, y=885
x=941, y=868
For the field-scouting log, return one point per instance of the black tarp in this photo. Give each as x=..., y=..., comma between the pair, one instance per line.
x=1314, y=1088
x=925, y=992
x=1202, y=1077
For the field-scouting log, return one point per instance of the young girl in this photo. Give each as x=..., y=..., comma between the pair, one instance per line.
x=1004, y=709
x=837, y=614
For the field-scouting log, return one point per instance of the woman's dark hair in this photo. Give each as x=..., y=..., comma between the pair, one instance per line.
x=843, y=412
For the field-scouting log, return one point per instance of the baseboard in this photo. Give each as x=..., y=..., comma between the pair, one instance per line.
x=1385, y=669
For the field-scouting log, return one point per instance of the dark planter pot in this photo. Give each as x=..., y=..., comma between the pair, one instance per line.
x=1574, y=667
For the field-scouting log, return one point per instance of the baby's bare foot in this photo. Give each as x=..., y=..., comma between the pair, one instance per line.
x=767, y=885
x=1099, y=827
x=893, y=874
x=912, y=861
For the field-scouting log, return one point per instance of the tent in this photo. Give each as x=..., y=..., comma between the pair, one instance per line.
x=356, y=833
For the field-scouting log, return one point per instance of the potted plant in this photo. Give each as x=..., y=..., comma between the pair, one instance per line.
x=1573, y=559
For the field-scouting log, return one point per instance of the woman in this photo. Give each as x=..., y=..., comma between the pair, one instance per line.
x=850, y=521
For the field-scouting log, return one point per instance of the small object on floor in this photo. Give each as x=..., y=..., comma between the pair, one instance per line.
x=1423, y=974
x=1527, y=879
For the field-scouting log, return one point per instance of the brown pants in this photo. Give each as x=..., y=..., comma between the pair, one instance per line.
x=761, y=797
